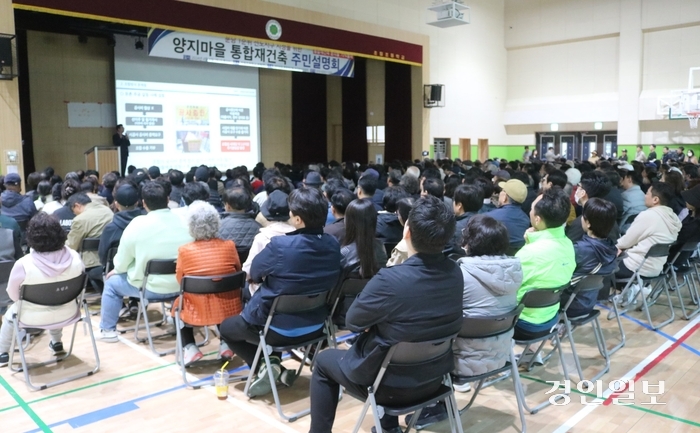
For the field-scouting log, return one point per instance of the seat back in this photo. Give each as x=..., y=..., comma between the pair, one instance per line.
x=5, y=269
x=658, y=250
x=243, y=253
x=53, y=294
x=299, y=304
x=160, y=267
x=110, y=258
x=213, y=284
x=90, y=244
x=389, y=247
x=589, y=283
x=541, y=298
x=689, y=246
x=407, y=353
x=490, y=326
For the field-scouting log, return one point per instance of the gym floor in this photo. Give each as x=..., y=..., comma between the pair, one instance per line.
x=139, y=391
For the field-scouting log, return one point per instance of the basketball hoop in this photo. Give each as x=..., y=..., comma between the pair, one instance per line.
x=693, y=119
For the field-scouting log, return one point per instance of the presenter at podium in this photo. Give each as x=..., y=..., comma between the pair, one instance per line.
x=122, y=141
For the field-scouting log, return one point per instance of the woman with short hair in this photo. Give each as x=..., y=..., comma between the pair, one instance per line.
x=208, y=255
x=48, y=261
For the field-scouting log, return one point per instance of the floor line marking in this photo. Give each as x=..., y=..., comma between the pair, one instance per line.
x=25, y=407
x=581, y=414
x=632, y=406
x=663, y=334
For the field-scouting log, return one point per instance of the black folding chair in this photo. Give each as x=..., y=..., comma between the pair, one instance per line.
x=52, y=295
x=542, y=298
x=214, y=285
x=110, y=258
x=342, y=296
x=406, y=358
x=297, y=305
x=389, y=247
x=487, y=327
x=5, y=269
x=243, y=253
x=675, y=270
x=90, y=245
x=660, y=286
x=589, y=283
x=156, y=267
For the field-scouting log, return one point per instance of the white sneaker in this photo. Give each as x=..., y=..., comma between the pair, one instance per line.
x=108, y=336
x=527, y=357
x=631, y=297
x=465, y=387
x=192, y=354
x=646, y=291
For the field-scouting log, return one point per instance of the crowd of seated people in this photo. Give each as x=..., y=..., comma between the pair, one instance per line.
x=425, y=234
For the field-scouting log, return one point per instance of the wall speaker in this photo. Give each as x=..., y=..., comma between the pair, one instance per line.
x=433, y=95
x=6, y=52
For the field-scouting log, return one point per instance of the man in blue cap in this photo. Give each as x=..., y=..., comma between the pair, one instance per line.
x=15, y=205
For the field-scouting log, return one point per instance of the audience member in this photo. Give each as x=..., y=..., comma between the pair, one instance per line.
x=393, y=308
x=366, y=188
x=48, y=261
x=593, y=184
x=307, y=214
x=488, y=188
x=166, y=234
x=595, y=252
x=108, y=182
x=90, y=221
x=238, y=222
x=15, y=205
x=548, y=261
x=432, y=186
x=64, y=214
x=192, y=192
x=468, y=199
x=339, y=203
x=512, y=194
x=362, y=255
x=633, y=201
x=656, y=225
x=43, y=195
x=615, y=194
x=208, y=255
x=10, y=239
x=275, y=210
x=389, y=229
x=399, y=253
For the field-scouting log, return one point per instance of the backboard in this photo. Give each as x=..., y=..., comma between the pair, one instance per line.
x=685, y=103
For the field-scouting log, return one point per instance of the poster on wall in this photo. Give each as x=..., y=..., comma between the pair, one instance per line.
x=243, y=52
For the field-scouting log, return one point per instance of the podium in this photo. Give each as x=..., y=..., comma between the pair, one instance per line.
x=103, y=159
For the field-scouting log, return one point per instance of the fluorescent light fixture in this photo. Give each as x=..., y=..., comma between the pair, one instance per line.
x=598, y=126
x=554, y=127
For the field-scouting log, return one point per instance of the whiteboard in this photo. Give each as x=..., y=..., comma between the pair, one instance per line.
x=91, y=115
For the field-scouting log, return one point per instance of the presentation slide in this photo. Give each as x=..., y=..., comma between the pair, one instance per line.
x=183, y=125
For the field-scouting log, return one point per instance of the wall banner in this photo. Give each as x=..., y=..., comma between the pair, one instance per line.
x=243, y=52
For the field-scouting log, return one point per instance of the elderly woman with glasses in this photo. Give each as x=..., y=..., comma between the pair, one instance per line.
x=208, y=255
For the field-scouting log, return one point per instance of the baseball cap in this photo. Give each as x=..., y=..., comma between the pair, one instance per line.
x=275, y=207
x=202, y=174
x=503, y=174
x=627, y=167
x=692, y=196
x=13, y=179
x=127, y=195
x=370, y=172
x=515, y=189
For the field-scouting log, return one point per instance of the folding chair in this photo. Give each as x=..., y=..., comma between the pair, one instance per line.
x=90, y=244
x=5, y=269
x=52, y=295
x=389, y=247
x=674, y=271
x=156, y=267
x=589, y=283
x=348, y=291
x=486, y=327
x=297, y=305
x=203, y=286
x=541, y=298
x=656, y=251
x=404, y=358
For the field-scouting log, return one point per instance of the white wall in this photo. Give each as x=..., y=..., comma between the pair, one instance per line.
x=469, y=60
x=574, y=62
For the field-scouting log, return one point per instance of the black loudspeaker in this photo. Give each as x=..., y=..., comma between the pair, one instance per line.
x=5, y=52
x=436, y=93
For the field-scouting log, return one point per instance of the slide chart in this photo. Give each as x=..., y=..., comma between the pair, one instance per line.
x=182, y=125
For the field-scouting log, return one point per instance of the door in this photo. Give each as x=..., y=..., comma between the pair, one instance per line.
x=546, y=141
x=589, y=144
x=483, y=144
x=610, y=145
x=566, y=146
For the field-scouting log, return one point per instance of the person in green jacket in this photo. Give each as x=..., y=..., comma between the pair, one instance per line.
x=547, y=260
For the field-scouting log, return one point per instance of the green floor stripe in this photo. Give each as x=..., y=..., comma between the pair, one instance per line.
x=49, y=397
x=641, y=408
x=25, y=407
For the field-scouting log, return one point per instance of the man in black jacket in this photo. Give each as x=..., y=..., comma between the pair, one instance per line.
x=389, y=229
x=238, y=223
x=419, y=300
x=593, y=184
